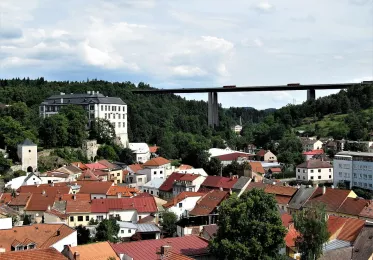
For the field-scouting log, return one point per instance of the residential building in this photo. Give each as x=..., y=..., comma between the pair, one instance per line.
x=136, y=179
x=217, y=183
x=56, y=213
x=183, y=203
x=38, y=204
x=240, y=186
x=117, y=191
x=354, y=169
x=126, y=229
x=187, y=182
x=37, y=236
x=266, y=156
x=310, y=154
x=153, y=151
x=363, y=246
x=30, y=179
x=152, y=187
x=28, y=155
x=93, y=175
x=40, y=254
x=79, y=212
x=283, y=195
x=97, y=189
x=240, y=157
x=96, y=251
x=300, y=198
x=72, y=170
x=368, y=145
x=186, y=169
x=146, y=231
x=191, y=246
x=96, y=105
x=166, y=189
x=315, y=171
x=156, y=168
x=209, y=231
x=237, y=129
x=141, y=152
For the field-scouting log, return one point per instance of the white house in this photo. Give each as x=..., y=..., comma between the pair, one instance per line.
x=197, y=171
x=141, y=152
x=97, y=106
x=28, y=155
x=152, y=187
x=310, y=144
x=183, y=203
x=156, y=168
x=126, y=229
x=187, y=182
x=30, y=179
x=315, y=170
x=136, y=180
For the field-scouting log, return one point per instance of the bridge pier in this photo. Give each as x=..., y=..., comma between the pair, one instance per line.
x=311, y=94
x=213, y=107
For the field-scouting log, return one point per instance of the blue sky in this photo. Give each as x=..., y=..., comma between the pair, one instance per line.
x=194, y=43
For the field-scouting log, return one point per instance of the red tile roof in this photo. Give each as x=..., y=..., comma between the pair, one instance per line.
x=207, y=204
x=168, y=183
x=135, y=167
x=88, y=175
x=125, y=191
x=40, y=202
x=282, y=199
x=147, y=249
x=219, y=182
x=144, y=205
x=275, y=170
x=255, y=185
x=174, y=256
x=211, y=230
x=353, y=206
x=314, y=152
x=57, y=213
x=94, y=251
x=280, y=190
x=80, y=165
x=367, y=212
x=257, y=167
x=57, y=188
x=348, y=228
x=5, y=198
x=96, y=166
x=93, y=187
x=291, y=236
x=153, y=149
x=185, y=167
x=314, y=164
x=108, y=164
x=75, y=206
x=181, y=197
x=70, y=197
x=34, y=254
x=20, y=200
x=287, y=219
x=43, y=235
x=332, y=199
x=261, y=153
x=189, y=177
x=158, y=161
x=233, y=156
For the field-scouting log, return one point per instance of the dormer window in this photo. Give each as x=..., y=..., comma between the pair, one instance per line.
x=31, y=246
x=19, y=248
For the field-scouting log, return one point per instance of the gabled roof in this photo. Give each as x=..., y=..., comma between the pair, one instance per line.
x=257, y=167
x=123, y=190
x=42, y=235
x=286, y=219
x=280, y=190
x=75, y=206
x=301, y=196
x=353, y=206
x=346, y=229
x=135, y=167
x=363, y=246
x=57, y=188
x=184, y=167
x=70, y=197
x=70, y=169
x=147, y=249
x=94, y=251
x=158, y=161
x=275, y=169
x=57, y=213
x=332, y=199
x=80, y=165
x=367, y=212
x=261, y=153
x=108, y=164
x=96, y=165
x=241, y=183
x=153, y=149
x=219, y=182
x=315, y=164
x=33, y=254
x=182, y=196
x=5, y=198
x=343, y=253
x=143, y=205
x=291, y=236
x=233, y=156
x=28, y=142
x=314, y=152
x=255, y=185
x=29, y=177
x=40, y=202
x=20, y=200
x=208, y=203
x=211, y=230
x=189, y=177
x=93, y=187
x=168, y=183
x=88, y=175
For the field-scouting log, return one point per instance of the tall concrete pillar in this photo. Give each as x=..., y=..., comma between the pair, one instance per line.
x=311, y=94
x=216, y=109
x=213, y=106
x=210, y=109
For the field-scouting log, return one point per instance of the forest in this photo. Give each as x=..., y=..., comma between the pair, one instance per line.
x=177, y=125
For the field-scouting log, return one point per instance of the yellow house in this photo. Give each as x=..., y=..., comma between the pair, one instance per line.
x=79, y=213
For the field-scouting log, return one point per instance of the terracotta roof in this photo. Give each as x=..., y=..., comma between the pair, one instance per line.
x=181, y=197
x=80, y=165
x=144, y=195
x=185, y=167
x=168, y=183
x=174, y=256
x=153, y=149
x=20, y=200
x=147, y=249
x=232, y=156
x=257, y=167
x=57, y=213
x=125, y=191
x=75, y=206
x=96, y=166
x=353, y=206
x=57, y=188
x=124, y=174
x=55, y=174
x=346, y=229
x=189, y=177
x=88, y=175
x=291, y=236
x=315, y=163
x=94, y=251
x=108, y=164
x=70, y=169
x=5, y=198
x=280, y=190
x=147, y=219
x=332, y=199
x=367, y=212
x=158, y=161
x=40, y=202
x=282, y=199
x=135, y=167
x=34, y=254
x=256, y=185
x=208, y=203
x=43, y=235
x=261, y=153
x=100, y=173
x=275, y=170
x=314, y=152
x=70, y=197
x=211, y=230
x=219, y=182
x=142, y=205
x=93, y=187
x=287, y=219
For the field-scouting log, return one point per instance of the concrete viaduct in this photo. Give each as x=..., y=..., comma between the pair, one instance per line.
x=213, y=105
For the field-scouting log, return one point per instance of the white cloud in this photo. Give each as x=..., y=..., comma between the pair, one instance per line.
x=188, y=71
x=264, y=6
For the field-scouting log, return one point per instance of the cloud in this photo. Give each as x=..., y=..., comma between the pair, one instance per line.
x=10, y=33
x=264, y=7
x=188, y=71
x=304, y=19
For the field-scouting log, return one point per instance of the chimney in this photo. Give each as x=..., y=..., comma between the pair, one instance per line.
x=74, y=197
x=165, y=250
x=58, y=232
x=323, y=190
x=76, y=256
x=119, y=195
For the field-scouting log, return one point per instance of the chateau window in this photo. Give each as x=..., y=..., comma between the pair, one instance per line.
x=86, y=218
x=71, y=218
x=102, y=107
x=330, y=176
x=119, y=124
x=118, y=116
x=80, y=218
x=319, y=177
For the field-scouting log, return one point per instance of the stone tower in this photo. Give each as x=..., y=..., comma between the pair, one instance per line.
x=28, y=155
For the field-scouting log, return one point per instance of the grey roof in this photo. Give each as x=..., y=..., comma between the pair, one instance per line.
x=29, y=176
x=154, y=183
x=28, y=142
x=355, y=153
x=340, y=254
x=241, y=182
x=145, y=228
x=363, y=247
x=301, y=196
x=335, y=244
x=82, y=99
x=124, y=224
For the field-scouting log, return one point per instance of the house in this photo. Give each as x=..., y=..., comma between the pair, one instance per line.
x=56, y=188
x=250, y=148
x=240, y=186
x=72, y=170
x=28, y=155
x=146, y=231
x=240, y=157
x=114, y=171
x=97, y=106
x=257, y=167
x=166, y=189
x=209, y=231
x=55, y=177
x=363, y=246
x=5, y=198
x=30, y=179
x=152, y=187
x=187, y=182
x=37, y=236
x=315, y=171
x=40, y=254
x=191, y=246
x=156, y=168
x=96, y=251
x=117, y=191
x=19, y=202
x=217, y=182
x=283, y=195
x=79, y=212
x=136, y=180
x=311, y=144
x=126, y=230
x=89, y=175
x=56, y=213
x=183, y=203
x=183, y=169
x=266, y=156
x=134, y=168
x=141, y=152
x=310, y=154
x=97, y=190
x=38, y=204
x=300, y=198
x=153, y=150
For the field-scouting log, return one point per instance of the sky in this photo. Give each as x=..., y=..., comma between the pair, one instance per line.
x=194, y=43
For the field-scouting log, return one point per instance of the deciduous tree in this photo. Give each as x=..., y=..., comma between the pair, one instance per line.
x=169, y=223
x=107, y=230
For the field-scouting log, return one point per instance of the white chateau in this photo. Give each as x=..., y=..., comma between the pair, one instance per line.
x=96, y=105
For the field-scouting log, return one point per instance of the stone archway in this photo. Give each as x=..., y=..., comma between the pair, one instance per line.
x=29, y=169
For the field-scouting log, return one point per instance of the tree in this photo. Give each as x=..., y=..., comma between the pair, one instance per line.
x=290, y=150
x=250, y=227
x=107, y=230
x=169, y=223
x=214, y=166
x=126, y=156
x=78, y=121
x=4, y=163
x=26, y=220
x=311, y=223
x=54, y=131
x=103, y=131
x=19, y=173
x=107, y=152
x=83, y=234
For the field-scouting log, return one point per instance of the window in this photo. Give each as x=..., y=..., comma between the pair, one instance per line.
x=140, y=179
x=319, y=170
x=370, y=185
x=340, y=174
x=365, y=176
x=330, y=170
x=102, y=107
x=105, y=115
x=298, y=177
x=119, y=124
x=109, y=116
x=94, y=197
x=369, y=176
x=71, y=218
x=100, y=218
x=298, y=170
x=29, y=151
x=330, y=176
x=118, y=174
x=139, y=217
x=124, y=124
x=31, y=246
x=123, y=116
x=311, y=177
x=151, y=192
x=304, y=178
x=92, y=107
x=355, y=183
x=111, y=216
x=113, y=116
x=311, y=171
x=365, y=185
x=129, y=230
x=118, y=116
x=80, y=218
x=86, y=218
x=319, y=177
x=108, y=107
x=161, y=172
x=122, y=231
x=19, y=248
x=118, y=108
x=355, y=175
